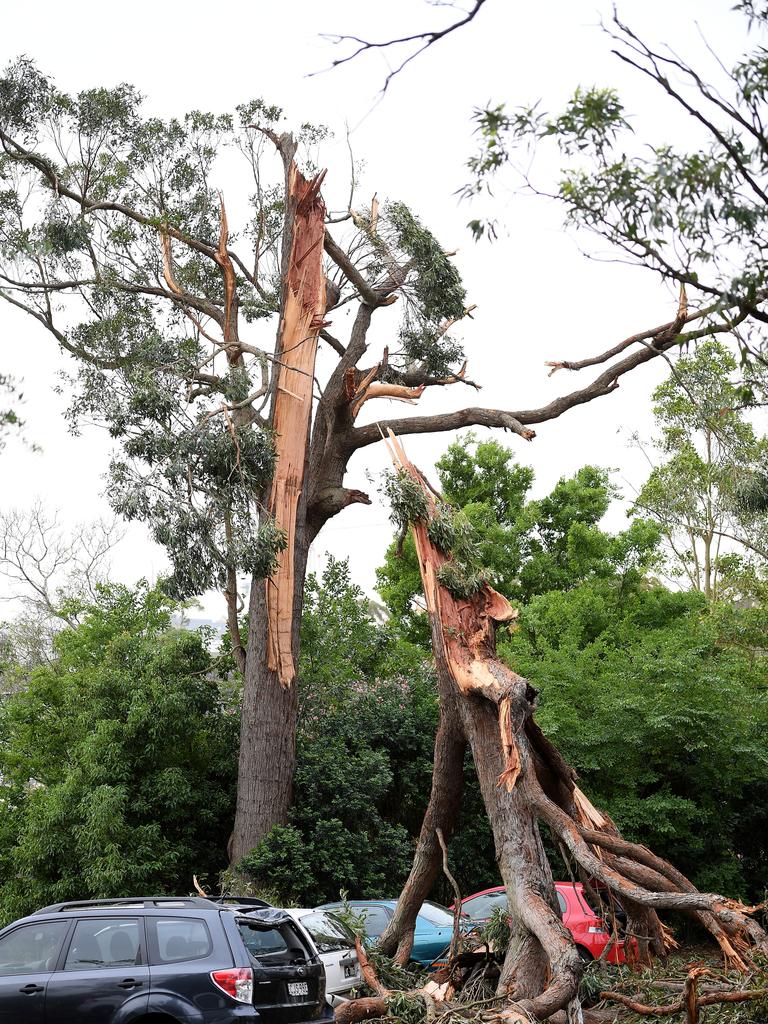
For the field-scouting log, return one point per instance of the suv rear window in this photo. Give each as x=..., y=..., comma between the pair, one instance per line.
x=278, y=944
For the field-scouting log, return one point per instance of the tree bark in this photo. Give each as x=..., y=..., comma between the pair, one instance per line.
x=270, y=701
x=268, y=727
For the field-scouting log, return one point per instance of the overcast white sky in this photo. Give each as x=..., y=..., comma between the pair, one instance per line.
x=538, y=297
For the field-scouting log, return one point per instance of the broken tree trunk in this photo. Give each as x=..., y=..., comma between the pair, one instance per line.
x=302, y=317
x=268, y=729
x=525, y=781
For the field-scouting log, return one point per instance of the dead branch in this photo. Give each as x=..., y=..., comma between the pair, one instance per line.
x=456, y=894
x=422, y=41
x=689, y=1002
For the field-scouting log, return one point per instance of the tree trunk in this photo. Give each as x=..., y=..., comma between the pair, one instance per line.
x=270, y=700
x=442, y=813
x=268, y=726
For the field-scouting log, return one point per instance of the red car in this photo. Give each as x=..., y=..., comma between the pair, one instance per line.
x=590, y=932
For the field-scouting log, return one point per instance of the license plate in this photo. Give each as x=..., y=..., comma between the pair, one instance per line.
x=298, y=988
x=349, y=971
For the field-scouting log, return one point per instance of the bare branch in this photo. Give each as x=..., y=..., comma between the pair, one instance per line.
x=422, y=40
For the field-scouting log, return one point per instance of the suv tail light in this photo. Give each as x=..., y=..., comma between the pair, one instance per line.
x=236, y=982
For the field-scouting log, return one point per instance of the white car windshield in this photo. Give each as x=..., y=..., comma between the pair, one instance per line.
x=328, y=933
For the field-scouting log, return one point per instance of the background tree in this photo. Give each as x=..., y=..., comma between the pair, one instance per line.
x=114, y=239
x=709, y=450
x=53, y=574
x=117, y=760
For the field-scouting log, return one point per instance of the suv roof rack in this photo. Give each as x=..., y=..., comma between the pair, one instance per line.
x=127, y=901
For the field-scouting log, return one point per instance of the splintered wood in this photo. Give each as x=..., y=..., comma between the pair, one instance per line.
x=468, y=628
x=302, y=319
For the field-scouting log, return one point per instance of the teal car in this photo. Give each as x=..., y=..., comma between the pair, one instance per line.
x=431, y=937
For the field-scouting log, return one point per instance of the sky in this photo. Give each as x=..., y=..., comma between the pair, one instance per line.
x=538, y=296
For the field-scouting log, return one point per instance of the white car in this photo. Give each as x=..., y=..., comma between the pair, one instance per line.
x=335, y=945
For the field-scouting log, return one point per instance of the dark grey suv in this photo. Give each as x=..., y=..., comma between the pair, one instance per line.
x=157, y=960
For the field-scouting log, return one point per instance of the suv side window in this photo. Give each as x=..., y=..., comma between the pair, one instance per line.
x=104, y=942
x=33, y=948
x=180, y=938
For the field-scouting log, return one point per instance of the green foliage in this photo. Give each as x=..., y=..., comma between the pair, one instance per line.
x=662, y=708
x=496, y=931
x=460, y=581
x=407, y=501
x=438, y=284
x=523, y=547
x=432, y=289
x=117, y=761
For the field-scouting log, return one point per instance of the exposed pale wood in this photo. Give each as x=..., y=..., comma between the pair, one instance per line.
x=302, y=319
x=468, y=627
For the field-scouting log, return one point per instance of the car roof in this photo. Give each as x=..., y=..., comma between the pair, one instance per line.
x=359, y=903
x=137, y=904
x=502, y=888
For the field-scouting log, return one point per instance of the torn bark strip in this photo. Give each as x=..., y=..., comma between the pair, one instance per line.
x=468, y=628
x=303, y=312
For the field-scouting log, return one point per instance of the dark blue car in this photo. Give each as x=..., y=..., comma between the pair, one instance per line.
x=189, y=960
x=431, y=936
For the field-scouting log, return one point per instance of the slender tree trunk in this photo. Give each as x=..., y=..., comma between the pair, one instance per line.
x=442, y=813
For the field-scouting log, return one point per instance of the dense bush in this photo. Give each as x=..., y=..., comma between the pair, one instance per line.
x=117, y=761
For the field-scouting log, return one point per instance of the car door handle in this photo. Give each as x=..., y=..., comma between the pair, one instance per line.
x=31, y=989
x=129, y=983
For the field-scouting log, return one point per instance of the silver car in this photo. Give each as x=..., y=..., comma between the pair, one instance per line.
x=335, y=945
